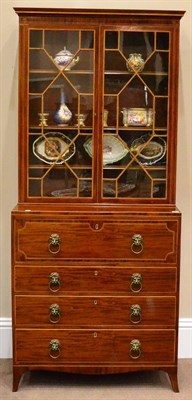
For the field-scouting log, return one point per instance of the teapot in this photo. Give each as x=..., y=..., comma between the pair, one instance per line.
x=65, y=58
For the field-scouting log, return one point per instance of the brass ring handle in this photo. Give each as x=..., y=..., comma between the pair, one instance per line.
x=54, y=281
x=135, y=314
x=136, y=282
x=54, y=243
x=135, y=349
x=137, y=245
x=54, y=348
x=54, y=313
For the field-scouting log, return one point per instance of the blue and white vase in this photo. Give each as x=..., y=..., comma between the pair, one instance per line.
x=63, y=115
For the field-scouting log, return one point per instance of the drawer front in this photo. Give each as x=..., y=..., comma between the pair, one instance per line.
x=95, y=311
x=109, y=347
x=95, y=279
x=84, y=240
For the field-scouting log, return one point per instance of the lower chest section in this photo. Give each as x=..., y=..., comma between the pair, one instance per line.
x=95, y=290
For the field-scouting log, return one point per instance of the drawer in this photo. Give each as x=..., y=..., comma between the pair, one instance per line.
x=105, y=240
x=95, y=279
x=109, y=347
x=75, y=311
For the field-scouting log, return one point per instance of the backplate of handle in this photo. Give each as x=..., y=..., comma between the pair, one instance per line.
x=137, y=243
x=54, y=281
x=135, y=349
x=54, y=313
x=54, y=243
x=136, y=282
x=135, y=313
x=54, y=348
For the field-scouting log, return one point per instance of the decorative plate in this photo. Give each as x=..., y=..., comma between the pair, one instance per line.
x=85, y=186
x=114, y=149
x=150, y=153
x=53, y=147
x=109, y=189
x=72, y=192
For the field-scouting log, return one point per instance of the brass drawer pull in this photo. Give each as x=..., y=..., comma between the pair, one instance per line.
x=136, y=282
x=135, y=314
x=54, y=281
x=54, y=313
x=54, y=348
x=137, y=245
x=54, y=243
x=135, y=349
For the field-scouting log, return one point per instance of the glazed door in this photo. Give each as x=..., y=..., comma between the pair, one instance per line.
x=136, y=129
x=61, y=114
x=98, y=124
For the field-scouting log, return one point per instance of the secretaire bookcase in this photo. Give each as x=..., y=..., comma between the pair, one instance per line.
x=96, y=232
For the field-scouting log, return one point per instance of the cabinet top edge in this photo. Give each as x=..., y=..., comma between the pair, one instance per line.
x=94, y=210
x=97, y=12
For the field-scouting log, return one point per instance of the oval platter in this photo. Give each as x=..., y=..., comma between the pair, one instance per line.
x=151, y=152
x=53, y=148
x=114, y=149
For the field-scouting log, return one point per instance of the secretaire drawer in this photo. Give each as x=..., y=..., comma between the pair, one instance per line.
x=60, y=280
x=103, y=240
x=95, y=346
x=78, y=311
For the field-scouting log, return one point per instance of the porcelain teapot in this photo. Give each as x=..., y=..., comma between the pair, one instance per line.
x=65, y=58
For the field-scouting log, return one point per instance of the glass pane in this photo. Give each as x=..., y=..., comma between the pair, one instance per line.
x=87, y=39
x=137, y=42
x=111, y=40
x=36, y=38
x=162, y=41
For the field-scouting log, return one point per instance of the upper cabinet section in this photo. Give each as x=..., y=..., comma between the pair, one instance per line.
x=98, y=106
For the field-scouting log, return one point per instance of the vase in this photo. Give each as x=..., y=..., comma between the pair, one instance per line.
x=63, y=115
x=135, y=62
